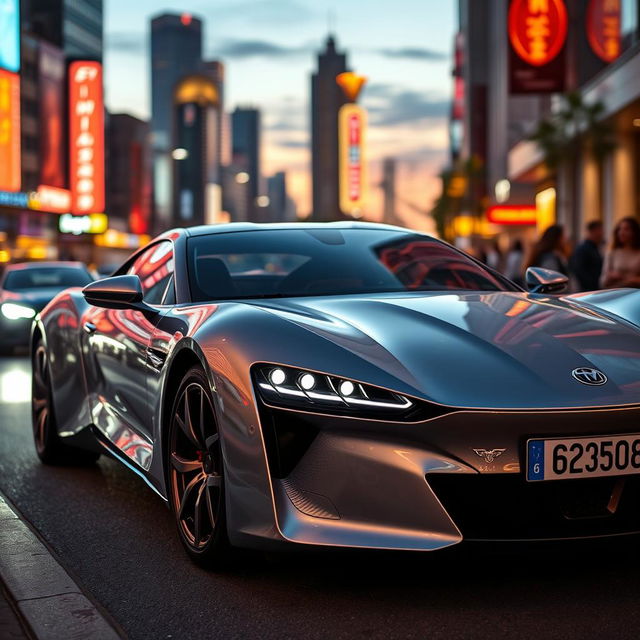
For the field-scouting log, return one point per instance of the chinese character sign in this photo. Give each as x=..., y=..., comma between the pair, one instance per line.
x=9, y=131
x=537, y=35
x=603, y=28
x=86, y=137
x=353, y=168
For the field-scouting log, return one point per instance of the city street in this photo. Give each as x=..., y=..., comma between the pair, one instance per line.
x=117, y=539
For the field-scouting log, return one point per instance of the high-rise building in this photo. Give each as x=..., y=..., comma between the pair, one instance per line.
x=129, y=189
x=389, y=190
x=326, y=100
x=245, y=127
x=73, y=25
x=176, y=52
x=197, y=192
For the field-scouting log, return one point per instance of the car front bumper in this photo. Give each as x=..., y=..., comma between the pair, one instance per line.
x=422, y=486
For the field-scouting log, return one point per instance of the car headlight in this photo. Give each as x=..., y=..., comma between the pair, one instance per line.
x=291, y=387
x=13, y=311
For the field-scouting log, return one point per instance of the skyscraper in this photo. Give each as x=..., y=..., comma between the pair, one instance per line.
x=326, y=100
x=245, y=126
x=389, y=190
x=176, y=51
x=73, y=25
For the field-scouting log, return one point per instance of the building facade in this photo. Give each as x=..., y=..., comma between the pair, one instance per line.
x=245, y=146
x=326, y=99
x=176, y=52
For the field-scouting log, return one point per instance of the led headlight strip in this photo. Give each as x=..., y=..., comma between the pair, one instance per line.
x=289, y=385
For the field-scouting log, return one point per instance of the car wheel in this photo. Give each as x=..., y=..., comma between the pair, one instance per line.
x=196, y=473
x=49, y=446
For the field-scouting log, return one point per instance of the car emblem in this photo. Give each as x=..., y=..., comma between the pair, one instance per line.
x=489, y=455
x=589, y=376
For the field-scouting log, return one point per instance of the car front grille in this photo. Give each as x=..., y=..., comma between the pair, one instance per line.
x=507, y=507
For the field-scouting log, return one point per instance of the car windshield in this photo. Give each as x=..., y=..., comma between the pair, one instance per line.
x=323, y=262
x=46, y=277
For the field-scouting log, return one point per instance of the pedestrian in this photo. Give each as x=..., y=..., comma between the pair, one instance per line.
x=622, y=263
x=551, y=250
x=493, y=255
x=586, y=262
x=513, y=261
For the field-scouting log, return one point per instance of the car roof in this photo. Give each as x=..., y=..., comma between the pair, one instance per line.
x=51, y=264
x=209, y=229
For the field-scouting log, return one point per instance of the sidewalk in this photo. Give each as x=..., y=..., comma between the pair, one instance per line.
x=10, y=626
x=48, y=599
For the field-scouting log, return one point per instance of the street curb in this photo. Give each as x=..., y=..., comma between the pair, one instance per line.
x=48, y=599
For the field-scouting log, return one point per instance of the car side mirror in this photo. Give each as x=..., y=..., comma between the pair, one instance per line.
x=117, y=292
x=545, y=280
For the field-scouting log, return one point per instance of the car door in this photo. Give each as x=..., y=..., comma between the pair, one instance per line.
x=116, y=354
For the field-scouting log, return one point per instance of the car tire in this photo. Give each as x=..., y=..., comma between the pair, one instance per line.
x=48, y=444
x=195, y=473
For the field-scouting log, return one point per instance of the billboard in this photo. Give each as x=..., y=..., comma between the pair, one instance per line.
x=51, y=71
x=512, y=214
x=353, y=169
x=9, y=131
x=10, y=40
x=537, y=32
x=86, y=137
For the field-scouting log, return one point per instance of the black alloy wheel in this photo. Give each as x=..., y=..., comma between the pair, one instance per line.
x=49, y=447
x=196, y=472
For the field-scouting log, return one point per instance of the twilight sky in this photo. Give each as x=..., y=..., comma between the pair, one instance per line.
x=269, y=46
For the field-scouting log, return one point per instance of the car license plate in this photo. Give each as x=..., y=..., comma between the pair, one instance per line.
x=563, y=459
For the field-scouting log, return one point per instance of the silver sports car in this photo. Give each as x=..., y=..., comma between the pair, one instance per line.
x=351, y=385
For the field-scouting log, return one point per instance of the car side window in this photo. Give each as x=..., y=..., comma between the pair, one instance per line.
x=154, y=267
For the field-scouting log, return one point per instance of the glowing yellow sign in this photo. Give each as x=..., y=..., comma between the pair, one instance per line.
x=351, y=84
x=352, y=122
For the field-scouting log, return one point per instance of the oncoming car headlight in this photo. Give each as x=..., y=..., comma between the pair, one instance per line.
x=13, y=311
x=298, y=388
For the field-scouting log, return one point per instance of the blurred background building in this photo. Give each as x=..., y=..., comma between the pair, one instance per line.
x=543, y=129
x=326, y=100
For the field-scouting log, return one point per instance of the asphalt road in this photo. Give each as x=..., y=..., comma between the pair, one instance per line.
x=117, y=538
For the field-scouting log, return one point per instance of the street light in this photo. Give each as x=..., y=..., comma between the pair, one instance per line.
x=263, y=201
x=179, y=154
x=242, y=177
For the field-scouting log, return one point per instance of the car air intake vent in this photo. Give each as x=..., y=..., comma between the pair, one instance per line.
x=311, y=504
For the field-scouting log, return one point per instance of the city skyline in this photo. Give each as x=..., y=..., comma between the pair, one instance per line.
x=404, y=51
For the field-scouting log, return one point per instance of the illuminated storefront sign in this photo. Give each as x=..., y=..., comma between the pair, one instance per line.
x=604, y=28
x=353, y=168
x=512, y=214
x=14, y=199
x=114, y=239
x=51, y=74
x=51, y=199
x=9, y=131
x=537, y=29
x=77, y=225
x=86, y=136
x=351, y=84
x=10, y=38
x=537, y=35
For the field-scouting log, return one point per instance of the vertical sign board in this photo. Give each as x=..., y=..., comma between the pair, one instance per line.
x=604, y=22
x=51, y=72
x=537, y=35
x=9, y=131
x=10, y=35
x=353, y=168
x=86, y=137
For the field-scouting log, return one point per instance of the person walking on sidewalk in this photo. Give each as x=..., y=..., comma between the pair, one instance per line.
x=622, y=262
x=586, y=262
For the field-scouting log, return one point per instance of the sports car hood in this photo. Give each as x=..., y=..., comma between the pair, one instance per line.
x=497, y=350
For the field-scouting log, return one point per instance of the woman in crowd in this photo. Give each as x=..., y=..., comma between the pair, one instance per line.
x=551, y=250
x=513, y=261
x=622, y=263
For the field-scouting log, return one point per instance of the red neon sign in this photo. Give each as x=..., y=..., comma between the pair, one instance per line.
x=9, y=131
x=537, y=29
x=512, y=214
x=86, y=137
x=603, y=28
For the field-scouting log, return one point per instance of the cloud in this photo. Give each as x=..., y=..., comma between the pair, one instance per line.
x=127, y=42
x=293, y=144
x=271, y=12
x=414, y=53
x=252, y=48
x=390, y=107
